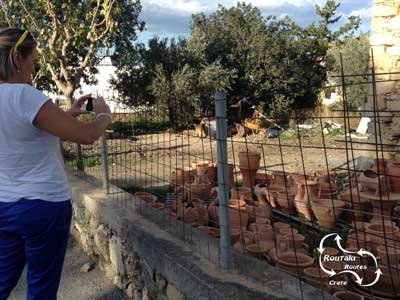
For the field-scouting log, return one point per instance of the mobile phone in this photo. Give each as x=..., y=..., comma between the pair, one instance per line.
x=89, y=104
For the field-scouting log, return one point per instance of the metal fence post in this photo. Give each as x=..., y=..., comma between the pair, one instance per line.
x=104, y=163
x=223, y=183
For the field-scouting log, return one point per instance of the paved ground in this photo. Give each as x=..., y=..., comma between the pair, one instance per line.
x=76, y=285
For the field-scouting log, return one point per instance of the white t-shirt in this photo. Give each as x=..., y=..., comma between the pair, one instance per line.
x=31, y=164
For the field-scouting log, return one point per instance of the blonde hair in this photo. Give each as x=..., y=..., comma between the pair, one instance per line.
x=9, y=38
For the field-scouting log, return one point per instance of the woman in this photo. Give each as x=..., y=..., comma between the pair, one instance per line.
x=35, y=208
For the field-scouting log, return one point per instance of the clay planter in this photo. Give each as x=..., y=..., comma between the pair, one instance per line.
x=263, y=221
x=378, y=233
x=360, y=241
x=380, y=165
x=279, y=178
x=263, y=211
x=262, y=178
x=389, y=255
x=200, y=188
x=183, y=175
x=346, y=295
x=316, y=277
x=393, y=172
x=256, y=250
x=291, y=241
x=327, y=211
x=370, y=181
x=385, y=287
x=249, y=160
x=242, y=193
x=382, y=208
x=356, y=203
x=238, y=217
x=294, y=263
x=202, y=168
x=146, y=197
x=262, y=232
x=194, y=215
x=306, y=192
x=286, y=202
x=287, y=231
x=237, y=203
x=248, y=176
x=278, y=225
x=242, y=244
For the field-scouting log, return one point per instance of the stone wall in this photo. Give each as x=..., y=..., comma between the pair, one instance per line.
x=385, y=42
x=149, y=263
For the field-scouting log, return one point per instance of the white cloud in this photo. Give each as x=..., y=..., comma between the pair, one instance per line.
x=364, y=13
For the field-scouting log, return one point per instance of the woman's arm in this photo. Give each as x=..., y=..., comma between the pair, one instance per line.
x=53, y=120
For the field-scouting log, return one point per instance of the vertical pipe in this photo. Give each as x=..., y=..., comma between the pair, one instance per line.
x=104, y=163
x=223, y=181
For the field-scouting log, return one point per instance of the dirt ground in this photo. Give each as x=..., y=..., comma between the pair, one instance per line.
x=149, y=160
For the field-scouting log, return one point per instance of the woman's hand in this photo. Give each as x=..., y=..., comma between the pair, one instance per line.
x=76, y=108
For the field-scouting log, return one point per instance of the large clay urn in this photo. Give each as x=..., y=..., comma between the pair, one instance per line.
x=327, y=211
x=248, y=177
x=306, y=192
x=393, y=172
x=249, y=160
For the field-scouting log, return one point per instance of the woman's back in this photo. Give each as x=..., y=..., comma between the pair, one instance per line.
x=31, y=165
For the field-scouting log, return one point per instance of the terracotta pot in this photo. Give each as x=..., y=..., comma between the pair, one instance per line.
x=359, y=241
x=257, y=250
x=195, y=215
x=287, y=231
x=330, y=251
x=262, y=232
x=358, y=205
x=382, y=208
x=237, y=203
x=200, y=188
x=278, y=225
x=387, y=285
x=346, y=295
x=248, y=176
x=294, y=263
x=379, y=234
x=380, y=165
x=306, y=192
x=242, y=193
x=286, y=201
x=238, y=217
x=393, y=172
x=291, y=241
x=263, y=221
x=249, y=160
x=203, y=169
x=370, y=181
x=242, y=244
x=316, y=277
x=259, y=211
x=146, y=197
x=389, y=255
x=262, y=178
x=272, y=194
x=279, y=178
x=183, y=175
x=327, y=211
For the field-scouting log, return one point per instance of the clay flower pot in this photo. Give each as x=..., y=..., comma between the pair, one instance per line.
x=146, y=197
x=346, y=295
x=316, y=277
x=370, y=181
x=242, y=193
x=359, y=241
x=358, y=204
x=378, y=233
x=183, y=175
x=248, y=176
x=389, y=255
x=306, y=192
x=286, y=201
x=260, y=211
x=291, y=242
x=394, y=176
x=262, y=232
x=256, y=250
x=278, y=225
x=380, y=165
x=262, y=178
x=327, y=211
x=294, y=263
x=249, y=160
x=287, y=231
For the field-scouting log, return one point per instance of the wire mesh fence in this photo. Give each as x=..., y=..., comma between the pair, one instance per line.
x=315, y=204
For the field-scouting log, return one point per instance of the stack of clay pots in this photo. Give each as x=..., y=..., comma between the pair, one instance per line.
x=249, y=163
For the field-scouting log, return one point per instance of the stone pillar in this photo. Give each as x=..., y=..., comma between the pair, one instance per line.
x=385, y=42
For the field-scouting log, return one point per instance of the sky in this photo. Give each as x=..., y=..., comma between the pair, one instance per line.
x=171, y=18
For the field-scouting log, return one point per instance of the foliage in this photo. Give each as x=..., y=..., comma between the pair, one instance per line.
x=355, y=56
x=72, y=35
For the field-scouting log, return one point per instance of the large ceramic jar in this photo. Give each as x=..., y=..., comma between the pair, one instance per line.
x=394, y=176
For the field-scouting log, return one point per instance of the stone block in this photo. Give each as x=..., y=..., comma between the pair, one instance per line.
x=379, y=24
x=101, y=243
x=383, y=39
x=115, y=248
x=173, y=293
x=393, y=105
x=384, y=10
x=383, y=88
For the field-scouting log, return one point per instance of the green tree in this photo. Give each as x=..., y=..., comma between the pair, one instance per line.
x=72, y=35
x=355, y=55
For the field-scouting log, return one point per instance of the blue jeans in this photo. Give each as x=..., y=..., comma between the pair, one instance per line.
x=33, y=232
